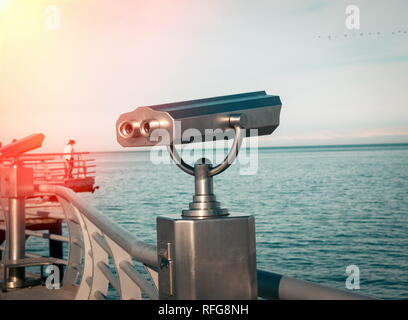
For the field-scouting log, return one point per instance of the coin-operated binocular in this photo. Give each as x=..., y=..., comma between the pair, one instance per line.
x=206, y=253
x=15, y=180
x=255, y=110
x=16, y=183
x=18, y=147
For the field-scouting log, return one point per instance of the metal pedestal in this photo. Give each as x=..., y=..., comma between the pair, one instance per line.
x=16, y=241
x=207, y=258
x=16, y=183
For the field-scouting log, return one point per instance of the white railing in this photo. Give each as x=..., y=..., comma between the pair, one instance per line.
x=102, y=257
x=102, y=254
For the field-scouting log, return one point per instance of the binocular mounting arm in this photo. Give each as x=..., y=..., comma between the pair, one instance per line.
x=204, y=202
x=232, y=154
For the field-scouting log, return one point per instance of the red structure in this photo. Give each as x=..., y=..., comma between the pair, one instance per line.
x=24, y=211
x=50, y=168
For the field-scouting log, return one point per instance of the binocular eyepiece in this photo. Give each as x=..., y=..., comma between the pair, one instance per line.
x=254, y=110
x=133, y=128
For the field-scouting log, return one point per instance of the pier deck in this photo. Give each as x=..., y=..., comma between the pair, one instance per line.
x=40, y=293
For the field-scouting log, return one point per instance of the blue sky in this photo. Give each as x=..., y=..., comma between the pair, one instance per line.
x=108, y=57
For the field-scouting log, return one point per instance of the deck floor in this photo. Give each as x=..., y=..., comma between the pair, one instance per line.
x=40, y=293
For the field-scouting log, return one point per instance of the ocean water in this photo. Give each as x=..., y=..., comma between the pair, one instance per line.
x=317, y=209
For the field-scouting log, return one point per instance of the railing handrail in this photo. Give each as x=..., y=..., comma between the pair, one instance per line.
x=277, y=287
x=141, y=251
x=270, y=285
x=43, y=156
x=27, y=155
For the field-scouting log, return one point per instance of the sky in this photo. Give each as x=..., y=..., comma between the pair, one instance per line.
x=73, y=76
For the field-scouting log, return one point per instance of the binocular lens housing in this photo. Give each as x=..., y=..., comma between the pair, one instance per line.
x=23, y=145
x=254, y=110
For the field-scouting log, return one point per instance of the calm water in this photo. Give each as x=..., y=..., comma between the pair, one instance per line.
x=317, y=209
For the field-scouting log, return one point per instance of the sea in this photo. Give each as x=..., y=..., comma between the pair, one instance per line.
x=320, y=211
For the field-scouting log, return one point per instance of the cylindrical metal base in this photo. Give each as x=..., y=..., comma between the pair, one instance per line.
x=16, y=240
x=204, y=203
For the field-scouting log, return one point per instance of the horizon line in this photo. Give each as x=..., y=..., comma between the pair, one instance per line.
x=135, y=149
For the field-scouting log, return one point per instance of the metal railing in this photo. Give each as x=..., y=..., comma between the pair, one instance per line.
x=273, y=286
x=103, y=239
x=52, y=166
x=101, y=253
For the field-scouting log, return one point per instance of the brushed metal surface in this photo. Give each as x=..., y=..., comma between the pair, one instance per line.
x=16, y=241
x=211, y=258
x=16, y=182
